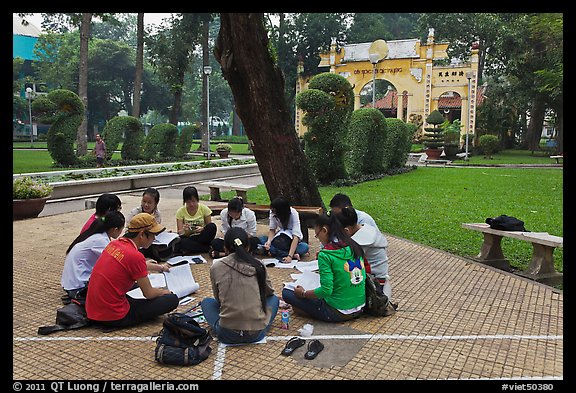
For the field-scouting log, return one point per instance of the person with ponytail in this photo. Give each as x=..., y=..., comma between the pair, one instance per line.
x=374, y=244
x=83, y=252
x=341, y=295
x=235, y=215
x=244, y=304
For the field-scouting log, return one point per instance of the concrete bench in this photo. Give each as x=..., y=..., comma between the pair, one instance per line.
x=215, y=186
x=541, y=267
x=307, y=214
x=443, y=162
x=557, y=158
x=416, y=157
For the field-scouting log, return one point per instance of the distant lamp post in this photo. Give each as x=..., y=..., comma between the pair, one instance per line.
x=29, y=96
x=207, y=72
x=374, y=57
x=469, y=77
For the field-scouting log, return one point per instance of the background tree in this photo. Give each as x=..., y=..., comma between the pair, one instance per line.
x=257, y=84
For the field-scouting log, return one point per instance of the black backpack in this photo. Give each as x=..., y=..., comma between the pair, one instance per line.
x=182, y=341
x=506, y=223
x=377, y=304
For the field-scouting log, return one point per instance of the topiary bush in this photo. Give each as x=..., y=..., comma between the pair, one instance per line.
x=114, y=131
x=488, y=145
x=398, y=143
x=64, y=110
x=365, y=142
x=185, y=139
x=327, y=105
x=433, y=137
x=161, y=140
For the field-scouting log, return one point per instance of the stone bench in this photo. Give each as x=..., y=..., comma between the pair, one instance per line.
x=443, y=162
x=541, y=267
x=557, y=158
x=215, y=186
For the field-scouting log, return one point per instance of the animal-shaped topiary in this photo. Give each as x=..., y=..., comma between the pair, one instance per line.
x=327, y=103
x=63, y=109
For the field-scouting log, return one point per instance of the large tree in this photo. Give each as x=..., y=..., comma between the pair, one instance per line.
x=257, y=84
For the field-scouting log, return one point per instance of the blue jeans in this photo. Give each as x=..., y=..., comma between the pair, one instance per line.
x=211, y=310
x=278, y=253
x=317, y=308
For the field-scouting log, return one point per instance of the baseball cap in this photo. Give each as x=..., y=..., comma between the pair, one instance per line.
x=145, y=222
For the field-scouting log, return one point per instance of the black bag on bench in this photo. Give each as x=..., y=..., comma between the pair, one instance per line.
x=506, y=223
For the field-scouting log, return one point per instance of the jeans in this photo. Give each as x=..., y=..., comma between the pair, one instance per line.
x=278, y=253
x=317, y=308
x=211, y=310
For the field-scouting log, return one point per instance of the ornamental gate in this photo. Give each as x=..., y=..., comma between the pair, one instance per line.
x=408, y=65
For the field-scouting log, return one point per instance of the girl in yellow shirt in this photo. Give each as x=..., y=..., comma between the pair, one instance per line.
x=194, y=224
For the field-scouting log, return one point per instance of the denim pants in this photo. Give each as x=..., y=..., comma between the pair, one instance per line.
x=211, y=310
x=278, y=253
x=317, y=308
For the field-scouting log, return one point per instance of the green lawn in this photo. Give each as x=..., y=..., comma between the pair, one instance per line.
x=428, y=205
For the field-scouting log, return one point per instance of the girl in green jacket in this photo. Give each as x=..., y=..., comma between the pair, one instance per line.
x=341, y=294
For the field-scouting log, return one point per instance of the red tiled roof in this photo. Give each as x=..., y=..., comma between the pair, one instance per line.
x=390, y=100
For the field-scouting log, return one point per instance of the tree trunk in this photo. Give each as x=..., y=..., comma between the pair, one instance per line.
x=82, y=135
x=177, y=103
x=536, y=123
x=205, y=85
x=139, y=66
x=258, y=88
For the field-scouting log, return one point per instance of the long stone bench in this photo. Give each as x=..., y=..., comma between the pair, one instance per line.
x=541, y=267
x=307, y=214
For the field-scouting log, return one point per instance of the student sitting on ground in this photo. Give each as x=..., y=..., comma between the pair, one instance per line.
x=83, y=252
x=374, y=244
x=340, y=201
x=194, y=224
x=104, y=204
x=116, y=272
x=236, y=215
x=148, y=204
x=341, y=295
x=285, y=234
x=244, y=305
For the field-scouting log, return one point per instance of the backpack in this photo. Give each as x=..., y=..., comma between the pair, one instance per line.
x=506, y=223
x=71, y=316
x=182, y=341
x=377, y=304
x=162, y=252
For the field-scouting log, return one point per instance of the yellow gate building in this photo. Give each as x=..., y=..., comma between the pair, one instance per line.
x=408, y=65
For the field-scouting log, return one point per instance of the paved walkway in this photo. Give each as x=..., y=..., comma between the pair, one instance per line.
x=457, y=320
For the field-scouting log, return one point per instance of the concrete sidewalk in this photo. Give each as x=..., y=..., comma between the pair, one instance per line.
x=456, y=320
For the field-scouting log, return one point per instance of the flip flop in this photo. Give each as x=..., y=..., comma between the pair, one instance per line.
x=314, y=348
x=292, y=345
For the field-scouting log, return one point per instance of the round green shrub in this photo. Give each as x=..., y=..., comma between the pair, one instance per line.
x=489, y=144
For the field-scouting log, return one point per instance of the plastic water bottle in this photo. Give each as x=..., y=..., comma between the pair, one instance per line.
x=285, y=319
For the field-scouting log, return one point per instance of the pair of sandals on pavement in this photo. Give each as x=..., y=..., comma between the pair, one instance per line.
x=314, y=347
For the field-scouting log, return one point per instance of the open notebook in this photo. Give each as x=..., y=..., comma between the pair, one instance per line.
x=179, y=280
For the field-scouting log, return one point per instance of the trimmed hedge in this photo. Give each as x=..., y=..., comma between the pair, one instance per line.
x=185, y=139
x=398, y=143
x=365, y=142
x=161, y=140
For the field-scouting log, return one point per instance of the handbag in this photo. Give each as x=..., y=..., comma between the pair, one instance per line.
x=71, y=316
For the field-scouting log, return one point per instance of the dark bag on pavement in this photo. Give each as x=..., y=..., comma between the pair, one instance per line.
x=377, y=304
x=71, y=316
x=282, y=242
x=162, y=252
x=182, y=341
x=506, y=223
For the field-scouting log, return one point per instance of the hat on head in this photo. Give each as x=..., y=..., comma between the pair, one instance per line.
x=145, y=222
